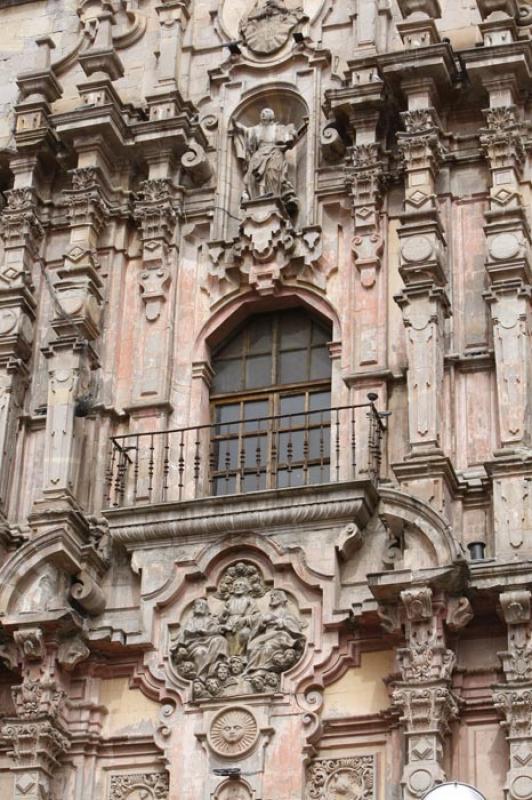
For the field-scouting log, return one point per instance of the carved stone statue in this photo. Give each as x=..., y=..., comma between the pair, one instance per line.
x=268, y=25
x=276, y=641
x=262, y=148
x=201, y=644
x=246, y=645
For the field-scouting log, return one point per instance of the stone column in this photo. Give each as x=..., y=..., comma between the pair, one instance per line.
x=514, y=698
x=423, y=696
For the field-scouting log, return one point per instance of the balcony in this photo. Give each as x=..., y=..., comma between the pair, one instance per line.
x=234, y=457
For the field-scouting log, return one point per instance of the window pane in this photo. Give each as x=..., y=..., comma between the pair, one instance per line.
x=255, y=448
x=252, y=482
x=256, y=409
x=320, y=363
x=319, y=474
x=319, y=400
x=260, y=335
x=293, y=367
x=291, y=404
x=294, y=330
x=320, y=335
x=319, y=440
x=231, y=348
x=225, y=415
x=295, y=477
x=226, y=455
x=223, y=486
x=258, y=371
x=291, y=447
x=228, y=376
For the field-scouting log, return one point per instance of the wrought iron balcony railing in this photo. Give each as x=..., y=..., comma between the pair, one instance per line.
x=243, y=455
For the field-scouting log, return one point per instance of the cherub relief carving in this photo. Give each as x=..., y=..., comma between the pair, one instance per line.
x=246, y=645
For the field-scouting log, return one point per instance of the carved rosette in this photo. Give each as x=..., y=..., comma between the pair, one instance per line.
x=241, y=640
x=350, y=778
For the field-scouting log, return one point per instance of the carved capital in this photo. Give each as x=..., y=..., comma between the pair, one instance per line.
x=20, y=226
x=86, y=202
x=156, y=210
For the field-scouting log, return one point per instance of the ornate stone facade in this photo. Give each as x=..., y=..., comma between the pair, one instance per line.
x=265, y=369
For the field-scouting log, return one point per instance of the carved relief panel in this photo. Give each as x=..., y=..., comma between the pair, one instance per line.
x=341, y=779
x=241, y=639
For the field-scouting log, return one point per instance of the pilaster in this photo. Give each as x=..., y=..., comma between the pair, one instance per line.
x=423, y=696
x=76, y=324
x=423, y=267
x=513, y=699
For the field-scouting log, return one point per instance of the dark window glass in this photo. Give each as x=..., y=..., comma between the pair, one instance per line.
x=271, y=395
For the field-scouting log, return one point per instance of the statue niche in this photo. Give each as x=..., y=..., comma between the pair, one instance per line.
x=244, y=644
x=262, y=149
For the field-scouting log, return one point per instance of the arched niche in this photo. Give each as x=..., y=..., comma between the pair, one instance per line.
x=289, y=108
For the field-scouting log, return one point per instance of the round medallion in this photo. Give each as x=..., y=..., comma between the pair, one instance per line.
x=417, y=249
x=8, y=320
x=344, y=784
x=420, y=781
x=522, y=787
x=503, y=246
x=233, y=732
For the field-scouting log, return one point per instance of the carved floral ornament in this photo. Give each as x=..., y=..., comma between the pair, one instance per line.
x=241, y=640
x=140, y=786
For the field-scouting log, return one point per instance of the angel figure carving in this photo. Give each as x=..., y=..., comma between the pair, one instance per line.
x=263, y=149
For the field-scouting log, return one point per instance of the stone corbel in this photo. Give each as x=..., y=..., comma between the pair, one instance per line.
x=196, y=164
x=332, y=143
x=268, y=252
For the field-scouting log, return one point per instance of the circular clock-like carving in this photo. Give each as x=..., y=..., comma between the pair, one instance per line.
x=503, y=246
x=522, y=787
x=420, y=780
x=233, y=732
x=417, y=249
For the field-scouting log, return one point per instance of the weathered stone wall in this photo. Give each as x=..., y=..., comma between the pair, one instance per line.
x=365, y=637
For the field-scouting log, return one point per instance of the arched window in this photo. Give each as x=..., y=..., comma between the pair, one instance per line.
x=271, y=395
